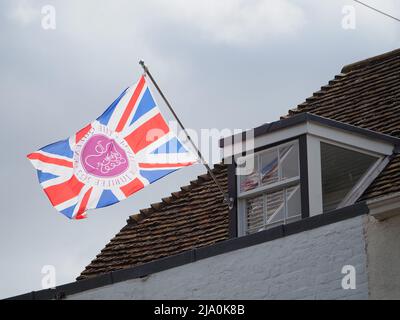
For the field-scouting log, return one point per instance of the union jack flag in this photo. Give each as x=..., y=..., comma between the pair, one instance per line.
x=125, y=149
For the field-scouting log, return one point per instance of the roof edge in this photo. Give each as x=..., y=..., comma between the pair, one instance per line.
x=196, y=254
x=384, y=207
x=305, y=117
x=375, y=59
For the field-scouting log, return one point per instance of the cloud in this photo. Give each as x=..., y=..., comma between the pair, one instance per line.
x=24, y=12
x=232, y=22
x=327, y=18
x=237, y=22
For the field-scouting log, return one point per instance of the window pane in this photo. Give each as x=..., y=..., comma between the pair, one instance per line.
x=269, y=167
x=293, y=200
x=341, y=169
x=275, y=207
x=272, y=209
x=289, y=157
x=255, y=214
x=251, y=181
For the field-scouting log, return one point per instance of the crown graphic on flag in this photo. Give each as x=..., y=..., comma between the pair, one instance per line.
x=125, y=149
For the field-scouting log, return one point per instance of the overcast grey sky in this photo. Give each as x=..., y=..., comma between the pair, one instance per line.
x=223, y=64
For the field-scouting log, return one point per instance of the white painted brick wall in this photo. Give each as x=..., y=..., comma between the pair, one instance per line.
x=306, y=265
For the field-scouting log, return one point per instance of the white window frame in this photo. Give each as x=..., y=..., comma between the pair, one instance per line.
x=315, y=174
x=264, y=190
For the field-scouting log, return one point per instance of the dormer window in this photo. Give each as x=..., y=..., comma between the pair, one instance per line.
x=270, y=194
x=302, y=166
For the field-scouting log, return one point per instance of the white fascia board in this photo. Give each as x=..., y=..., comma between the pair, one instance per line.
x=268, y=139
x=316, y=129
x=385, y=207
x=350, y=139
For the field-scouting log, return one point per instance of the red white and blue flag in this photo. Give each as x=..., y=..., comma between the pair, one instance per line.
x=128, y=147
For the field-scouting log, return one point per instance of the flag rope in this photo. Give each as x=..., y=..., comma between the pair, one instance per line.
x=227, y=199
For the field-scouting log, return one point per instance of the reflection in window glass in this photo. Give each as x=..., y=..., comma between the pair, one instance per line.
x=275, y=207
x=289, y=158
x=272, y=166
x=293, y=202
x=271, y=192
x=341, y=169
x=251, y=181
x=269, y=167
x=255, y=214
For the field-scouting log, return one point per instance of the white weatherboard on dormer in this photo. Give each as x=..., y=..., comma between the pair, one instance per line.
x=345, y=137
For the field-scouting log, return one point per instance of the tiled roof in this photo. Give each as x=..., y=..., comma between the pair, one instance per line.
x=364, y=94
x=194, y=217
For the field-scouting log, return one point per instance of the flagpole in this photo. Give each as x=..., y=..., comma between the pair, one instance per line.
x=225, y=195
